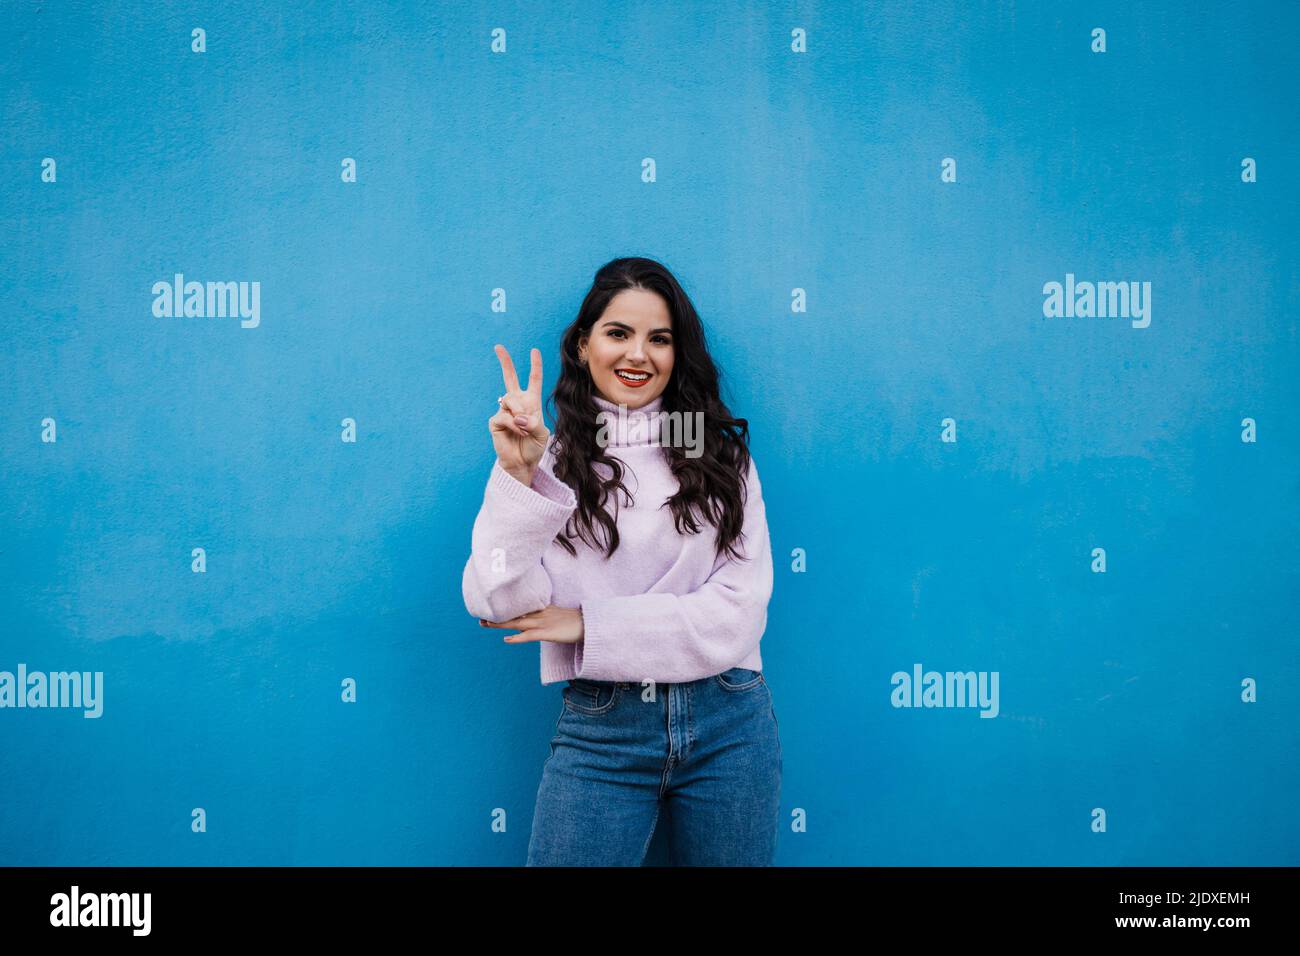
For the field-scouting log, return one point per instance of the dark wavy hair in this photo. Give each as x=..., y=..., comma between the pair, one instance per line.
x=712, y=485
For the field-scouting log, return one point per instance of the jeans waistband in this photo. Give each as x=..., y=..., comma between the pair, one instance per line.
x=629, y=684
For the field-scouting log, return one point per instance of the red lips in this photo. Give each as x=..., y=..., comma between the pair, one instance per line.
x=631, y=384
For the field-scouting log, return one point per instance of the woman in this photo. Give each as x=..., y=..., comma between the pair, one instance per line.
x=654, y=623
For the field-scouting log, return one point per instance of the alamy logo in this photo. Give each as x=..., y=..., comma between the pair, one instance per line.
x=1103, y=300
x=664, y=429
x=179, y=298
x=56, y=689
x=102, y=909
x=949, y=689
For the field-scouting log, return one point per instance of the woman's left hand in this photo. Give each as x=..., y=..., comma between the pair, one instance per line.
x=563, y=625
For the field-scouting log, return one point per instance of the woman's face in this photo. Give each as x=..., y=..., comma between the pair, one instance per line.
x=634, y=335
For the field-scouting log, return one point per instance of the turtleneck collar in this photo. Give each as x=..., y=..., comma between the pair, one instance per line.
x=634, y=426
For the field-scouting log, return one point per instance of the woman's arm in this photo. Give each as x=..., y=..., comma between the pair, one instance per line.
x=674, y=638
x=504, y=576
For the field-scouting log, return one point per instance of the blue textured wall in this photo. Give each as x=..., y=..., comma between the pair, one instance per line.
x=775, y=170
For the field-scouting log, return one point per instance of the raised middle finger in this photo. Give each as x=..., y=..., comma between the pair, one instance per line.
x=507, y=369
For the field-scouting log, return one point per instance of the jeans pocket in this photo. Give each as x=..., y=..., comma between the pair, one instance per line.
x=739, y=678
x=591, y=697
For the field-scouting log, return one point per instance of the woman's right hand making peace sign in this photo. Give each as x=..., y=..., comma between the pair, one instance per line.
x=518, y=433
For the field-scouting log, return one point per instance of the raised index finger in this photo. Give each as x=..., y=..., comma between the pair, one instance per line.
x=535, y=373
x=507, y=369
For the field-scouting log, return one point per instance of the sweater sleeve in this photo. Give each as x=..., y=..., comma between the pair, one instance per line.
x=674, y=638
x=504, y=576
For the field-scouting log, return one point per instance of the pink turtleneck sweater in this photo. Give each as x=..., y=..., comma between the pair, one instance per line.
x=664, y=607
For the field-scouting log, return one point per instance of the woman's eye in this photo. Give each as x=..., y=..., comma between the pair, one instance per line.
x=658, y=339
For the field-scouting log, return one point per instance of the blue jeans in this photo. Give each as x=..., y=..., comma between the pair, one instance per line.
x=706, y=751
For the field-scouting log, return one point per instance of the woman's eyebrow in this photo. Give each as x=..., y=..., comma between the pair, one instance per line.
x=624, y=325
